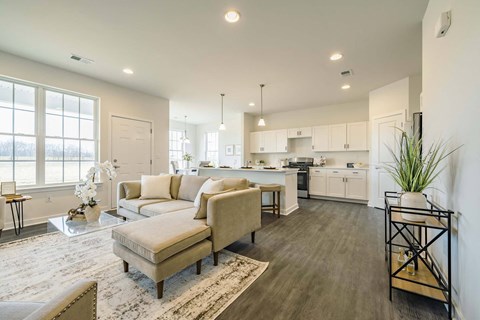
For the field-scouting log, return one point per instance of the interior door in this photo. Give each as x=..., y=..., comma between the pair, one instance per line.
x=384, y=133
x=131, y=150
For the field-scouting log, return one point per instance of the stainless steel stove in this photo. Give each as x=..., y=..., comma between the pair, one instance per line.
x=302, y=163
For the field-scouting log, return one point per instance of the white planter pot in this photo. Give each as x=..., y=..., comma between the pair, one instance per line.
x=92, y=213
x=413, y=200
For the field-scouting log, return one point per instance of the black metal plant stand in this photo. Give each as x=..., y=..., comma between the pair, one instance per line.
x=418, y=237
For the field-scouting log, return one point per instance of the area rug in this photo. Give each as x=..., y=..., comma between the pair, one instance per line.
x=37, y=268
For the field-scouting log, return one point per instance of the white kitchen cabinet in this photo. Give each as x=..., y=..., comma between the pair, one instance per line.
x=357, y=136
x=348, y=136
x=300, y=132
x=350, y=184
x=320, y=138
x=281, y=140
x=356, y=185
x=269, y=141
x=337, y=137
x=317, y=185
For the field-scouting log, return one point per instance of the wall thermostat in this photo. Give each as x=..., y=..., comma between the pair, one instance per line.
x=443, y=23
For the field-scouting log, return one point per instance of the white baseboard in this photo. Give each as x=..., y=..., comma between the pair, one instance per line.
x=289, y=210
x=33, y=221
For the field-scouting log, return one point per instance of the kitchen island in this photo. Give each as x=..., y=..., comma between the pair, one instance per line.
x=287, y=178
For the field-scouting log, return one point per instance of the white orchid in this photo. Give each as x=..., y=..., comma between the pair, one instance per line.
x=86, y=190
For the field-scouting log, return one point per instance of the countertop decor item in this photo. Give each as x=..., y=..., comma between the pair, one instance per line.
x=188, y=157
x=86, y=191
x=414, y=172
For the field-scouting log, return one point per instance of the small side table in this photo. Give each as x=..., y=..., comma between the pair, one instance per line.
x=18, y=204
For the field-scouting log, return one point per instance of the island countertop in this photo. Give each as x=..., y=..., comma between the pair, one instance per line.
x=278, y=170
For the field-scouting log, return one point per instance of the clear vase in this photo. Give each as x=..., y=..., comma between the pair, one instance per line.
x=92, y=214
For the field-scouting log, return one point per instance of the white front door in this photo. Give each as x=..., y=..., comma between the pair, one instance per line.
x=385, y=133
x=131, y=150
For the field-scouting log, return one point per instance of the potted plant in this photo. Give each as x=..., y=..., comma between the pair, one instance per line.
x=187, y=157
x=414, y=172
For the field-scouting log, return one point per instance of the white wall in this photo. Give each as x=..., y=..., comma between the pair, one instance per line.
x=113, y=100
x=331, y=114
x=231, y=136
x=451, y=107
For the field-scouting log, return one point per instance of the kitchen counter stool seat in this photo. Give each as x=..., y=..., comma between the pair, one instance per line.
x=275, y=189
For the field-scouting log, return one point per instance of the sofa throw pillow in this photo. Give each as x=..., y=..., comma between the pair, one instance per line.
x=209, y=186
x=156, y=187
x=202, y=210
x=189, y=187
x=132, y=189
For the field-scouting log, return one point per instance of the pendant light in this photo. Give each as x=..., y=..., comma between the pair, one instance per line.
x=261, y=122
x=185, y=138
x=222, y=125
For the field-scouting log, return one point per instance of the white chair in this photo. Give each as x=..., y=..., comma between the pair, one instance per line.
x=175, y=166
x=2, y=213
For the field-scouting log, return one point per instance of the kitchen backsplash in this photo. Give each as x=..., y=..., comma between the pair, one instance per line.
x=303, y=148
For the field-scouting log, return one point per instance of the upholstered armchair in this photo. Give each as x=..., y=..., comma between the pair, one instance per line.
x=2, y=213
x=79, y=302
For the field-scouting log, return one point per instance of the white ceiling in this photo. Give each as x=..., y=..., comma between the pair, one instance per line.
x=185, y=51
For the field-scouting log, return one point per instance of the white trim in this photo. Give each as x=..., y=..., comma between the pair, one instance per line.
x=52, y=188
x=287, y=211
x=385, y=115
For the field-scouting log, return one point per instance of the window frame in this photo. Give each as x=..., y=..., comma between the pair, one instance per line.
x=207, y=151
x=182, y=144
x=40, y=132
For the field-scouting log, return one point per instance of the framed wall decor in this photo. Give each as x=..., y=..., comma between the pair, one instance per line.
x=229, y=150
x=238, y=149
x=8, y=188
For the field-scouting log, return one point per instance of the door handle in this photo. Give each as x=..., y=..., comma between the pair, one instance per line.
x=116, y=167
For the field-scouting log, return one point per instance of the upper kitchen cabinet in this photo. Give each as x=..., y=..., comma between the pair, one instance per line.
x=269, y=141
x=348, y=137
x=357, y=136
x=337, y=137
x=320, y=138
x=300, y=132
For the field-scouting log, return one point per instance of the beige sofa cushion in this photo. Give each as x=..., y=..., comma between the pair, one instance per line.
x=156, y=187
x=161, y=237
x=190, y=186
x=132, y=189
x=165, y=207
x=233, y=183
x=202, y=210
x=209, y=186
x=175, y=185
x=136, y=204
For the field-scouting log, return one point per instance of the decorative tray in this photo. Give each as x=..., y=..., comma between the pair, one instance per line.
x=246, y=167
x=225, y=167
x=270, y=168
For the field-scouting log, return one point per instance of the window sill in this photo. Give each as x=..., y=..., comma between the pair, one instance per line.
x=51, y=188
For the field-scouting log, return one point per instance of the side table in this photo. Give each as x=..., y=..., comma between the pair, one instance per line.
x=18, y=204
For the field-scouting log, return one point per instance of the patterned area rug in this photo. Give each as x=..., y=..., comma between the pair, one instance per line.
x=37, y=268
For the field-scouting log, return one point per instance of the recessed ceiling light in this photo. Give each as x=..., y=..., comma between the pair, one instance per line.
x=252, y=104
x=336, y=56
x=232, y=16
x=346, y=86
x=128, y=71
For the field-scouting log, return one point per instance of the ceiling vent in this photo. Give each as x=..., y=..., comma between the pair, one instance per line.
x=347, y=73
x=76, y=57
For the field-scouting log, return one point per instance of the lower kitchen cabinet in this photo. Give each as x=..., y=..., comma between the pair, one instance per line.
x=338, y=183
x=317, y=185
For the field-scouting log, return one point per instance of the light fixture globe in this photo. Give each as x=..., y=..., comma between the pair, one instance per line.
x=185, y=138
x=261, y=122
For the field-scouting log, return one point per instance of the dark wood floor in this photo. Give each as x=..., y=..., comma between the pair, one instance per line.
x=326, y=262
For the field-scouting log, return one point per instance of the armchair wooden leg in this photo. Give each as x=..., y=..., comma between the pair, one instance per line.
x=160, y=290
x=253, y=236
x=215, y=258
x=278, y=205
x=199, y=266
x=125, y=266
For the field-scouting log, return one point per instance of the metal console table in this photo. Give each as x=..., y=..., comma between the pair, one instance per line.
x=418, y=237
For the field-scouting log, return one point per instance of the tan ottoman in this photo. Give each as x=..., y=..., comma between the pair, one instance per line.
x=163, y=245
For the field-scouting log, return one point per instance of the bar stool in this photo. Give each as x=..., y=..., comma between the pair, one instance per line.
x=275, y=190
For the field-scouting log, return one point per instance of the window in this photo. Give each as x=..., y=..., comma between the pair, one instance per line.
x=175, y=146
x=46, y=136
x=211, y=146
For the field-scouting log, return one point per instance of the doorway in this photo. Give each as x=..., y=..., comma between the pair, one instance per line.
x=385, y=133
x=131, y=150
